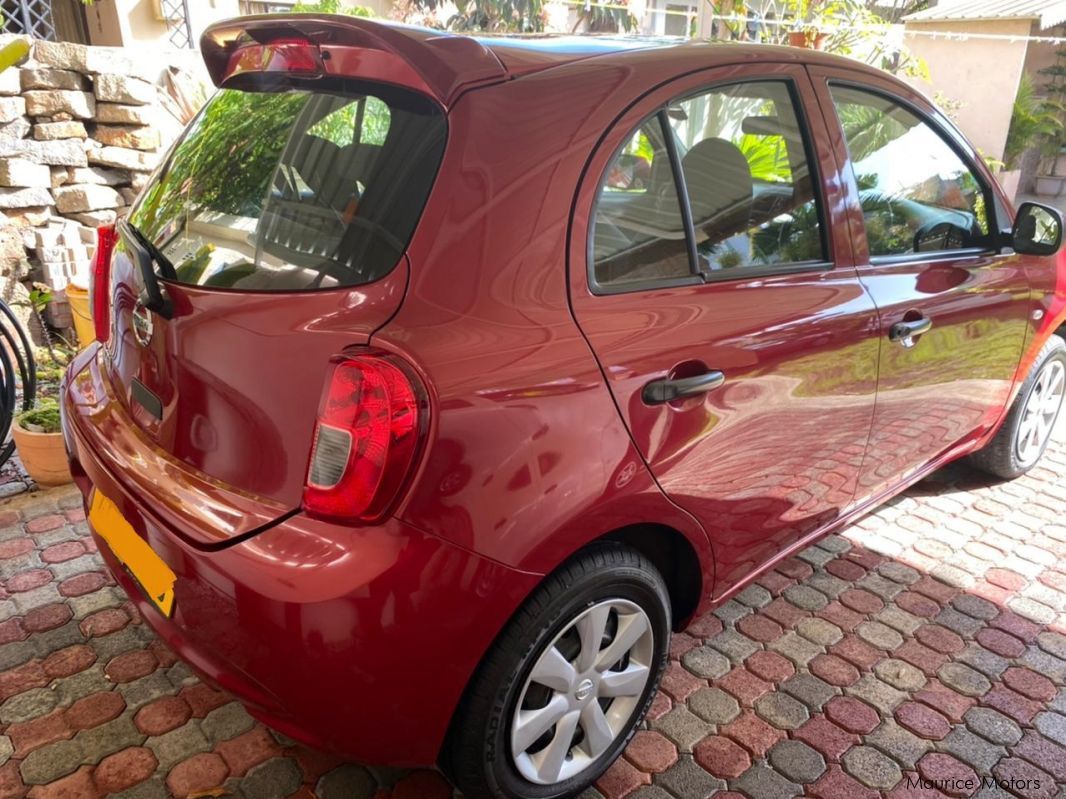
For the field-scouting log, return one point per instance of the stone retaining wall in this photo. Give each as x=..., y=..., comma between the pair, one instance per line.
x=81, y=129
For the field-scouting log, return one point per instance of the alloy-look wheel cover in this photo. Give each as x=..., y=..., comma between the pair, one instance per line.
x=558, y=739
x=1041, y=411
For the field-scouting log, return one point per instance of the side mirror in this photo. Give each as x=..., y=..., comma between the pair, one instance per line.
x=1037, y=230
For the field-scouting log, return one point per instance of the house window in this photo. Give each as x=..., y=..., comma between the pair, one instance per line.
x=266, y=6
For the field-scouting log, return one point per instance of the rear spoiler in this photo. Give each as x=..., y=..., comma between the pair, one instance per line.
x=441, y=65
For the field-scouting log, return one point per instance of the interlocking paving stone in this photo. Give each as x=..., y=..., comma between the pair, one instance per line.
x=901, y=745
x=781, y=710
x=685, y=779
x=810, y=690
x=797, y=761
x=964, y=679
x=972, y=749
x=988, y=663
x=879, y=635
x=226, y=722
x=722, y=757
x=900, y=674
x=805, y=597
x=876, y=692
x=994, y=726
x=765, y=783
x=274, y=779
x=872, y=767
x=1052, y=725
x=1050, y=666
x=796, y=648
x=819, y=631
x=682, y=727
x=861, y=615
x=714, y=705
x=733, y=645
x=706, y=662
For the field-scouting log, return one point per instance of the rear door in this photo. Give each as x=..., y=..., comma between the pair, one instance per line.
x=712, y=274
x=280, y=222
x=954, y=308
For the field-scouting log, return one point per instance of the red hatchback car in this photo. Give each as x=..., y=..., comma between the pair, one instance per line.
x=441, y=378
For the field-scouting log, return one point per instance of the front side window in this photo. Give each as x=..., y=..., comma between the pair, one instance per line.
x=294, y=190
x=748, y=187
x=917, y=193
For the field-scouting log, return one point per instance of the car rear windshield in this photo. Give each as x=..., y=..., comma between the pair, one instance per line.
x=294, y=190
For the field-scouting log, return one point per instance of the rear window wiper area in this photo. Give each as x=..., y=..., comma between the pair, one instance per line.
x=148, y=257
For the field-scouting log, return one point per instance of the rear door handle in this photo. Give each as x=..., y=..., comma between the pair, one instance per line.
x=904, y=332
x=659, y=391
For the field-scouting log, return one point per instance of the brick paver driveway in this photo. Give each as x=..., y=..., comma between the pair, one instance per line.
x=927, y=641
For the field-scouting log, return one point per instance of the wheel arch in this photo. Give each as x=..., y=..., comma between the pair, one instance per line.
x=674, y=556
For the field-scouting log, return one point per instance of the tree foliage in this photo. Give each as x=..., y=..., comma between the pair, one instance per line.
x=332, y=7
x=1034, y=122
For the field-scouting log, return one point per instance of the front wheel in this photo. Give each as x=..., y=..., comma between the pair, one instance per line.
x=1026, y=432
x=565, y=685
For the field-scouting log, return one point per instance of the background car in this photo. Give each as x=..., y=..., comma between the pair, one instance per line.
x=440, y=379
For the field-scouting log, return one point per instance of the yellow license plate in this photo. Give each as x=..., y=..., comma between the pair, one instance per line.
x=147, y=568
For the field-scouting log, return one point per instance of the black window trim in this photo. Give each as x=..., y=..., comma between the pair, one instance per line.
x=991, y=201
x=699, y=276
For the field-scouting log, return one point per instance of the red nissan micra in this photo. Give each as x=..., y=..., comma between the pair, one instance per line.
x=441, y=378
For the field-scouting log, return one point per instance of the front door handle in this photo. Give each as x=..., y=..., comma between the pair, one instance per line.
x=904, y=332
x=659, y=391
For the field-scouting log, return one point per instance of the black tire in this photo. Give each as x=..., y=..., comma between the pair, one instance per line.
x=1000, y=456
x=477, y=755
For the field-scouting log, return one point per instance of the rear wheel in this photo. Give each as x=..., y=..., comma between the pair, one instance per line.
x=567, y=682
x=1027, y=430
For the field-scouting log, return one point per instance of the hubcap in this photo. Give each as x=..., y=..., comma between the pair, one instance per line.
x=1041, y=411
x=582, y=692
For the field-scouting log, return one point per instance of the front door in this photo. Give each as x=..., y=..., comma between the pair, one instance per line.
x=954, y=310
x=717, y=288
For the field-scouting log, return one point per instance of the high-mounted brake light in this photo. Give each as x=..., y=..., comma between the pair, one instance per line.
x=287, y=54
x=435, y=63
x=100, y=286
x=367, y=435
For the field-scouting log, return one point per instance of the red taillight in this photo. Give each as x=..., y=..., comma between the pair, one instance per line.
x=100, y=287
x=366, y=437
x=290, y=54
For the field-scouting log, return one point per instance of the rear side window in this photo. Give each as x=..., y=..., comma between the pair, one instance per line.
x=916, y=192
x=749, y=192
x=639, y=233
x=745, y=167
x=294, y=190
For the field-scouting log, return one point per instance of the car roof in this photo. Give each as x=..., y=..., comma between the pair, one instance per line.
x=525, y=54
x=522, y=54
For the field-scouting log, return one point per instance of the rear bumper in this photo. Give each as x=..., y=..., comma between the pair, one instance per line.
x=357, y=640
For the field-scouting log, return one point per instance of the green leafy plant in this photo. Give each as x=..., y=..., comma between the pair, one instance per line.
x=331, y=7
x=502, y=16
x=39, y=297
x=1034, y=122
x=42, y=418
x=592, y=17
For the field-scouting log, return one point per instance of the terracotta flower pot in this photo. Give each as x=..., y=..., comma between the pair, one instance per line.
x=810, y=40
x=43, y=455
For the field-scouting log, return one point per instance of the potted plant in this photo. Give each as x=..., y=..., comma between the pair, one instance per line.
x=36, y=432
x=1049, y=114
x=40, y=443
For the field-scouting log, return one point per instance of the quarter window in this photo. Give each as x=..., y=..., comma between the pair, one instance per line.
x=749, y=188
x=917, y=194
